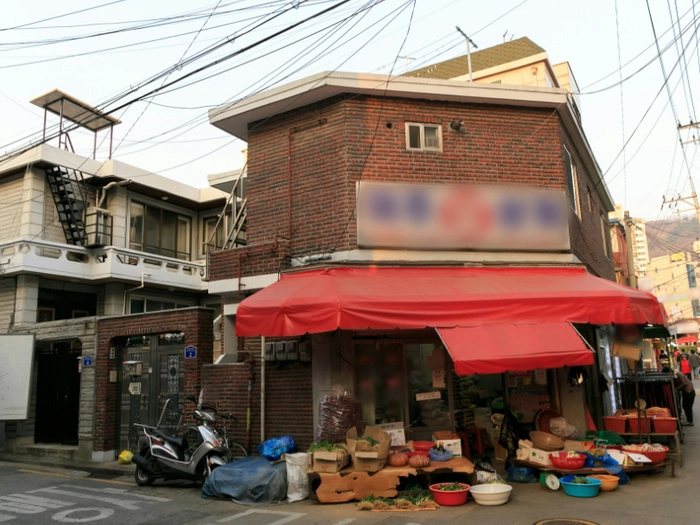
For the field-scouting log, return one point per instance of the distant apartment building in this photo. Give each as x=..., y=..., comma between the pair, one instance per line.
x=673, y=278
x=638, y=242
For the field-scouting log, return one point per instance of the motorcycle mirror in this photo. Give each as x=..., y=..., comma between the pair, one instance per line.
x=190, y=397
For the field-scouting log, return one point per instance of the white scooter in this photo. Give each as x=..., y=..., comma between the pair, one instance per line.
x=170, y=457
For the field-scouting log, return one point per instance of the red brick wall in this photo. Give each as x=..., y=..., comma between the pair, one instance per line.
x=195, y=323
x=288, y=397
x=325, y=148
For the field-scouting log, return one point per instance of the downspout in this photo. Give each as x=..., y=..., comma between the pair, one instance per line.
x=142, y=285
x=289, y=183
x=262, y=389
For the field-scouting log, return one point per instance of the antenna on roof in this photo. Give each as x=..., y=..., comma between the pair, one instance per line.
x=469, y=56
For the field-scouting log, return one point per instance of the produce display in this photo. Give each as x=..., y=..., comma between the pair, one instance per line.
x=419, y=461
x=326, y=446
x=398, y=459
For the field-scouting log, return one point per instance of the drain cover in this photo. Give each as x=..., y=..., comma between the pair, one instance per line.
x=564, y=521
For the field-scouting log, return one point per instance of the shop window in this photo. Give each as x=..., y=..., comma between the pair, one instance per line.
x=423, y=137
x=428, y=395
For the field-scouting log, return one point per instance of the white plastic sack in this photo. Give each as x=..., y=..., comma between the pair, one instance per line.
x=297, y=478
x=563, y=430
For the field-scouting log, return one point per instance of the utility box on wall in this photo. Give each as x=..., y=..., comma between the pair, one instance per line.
x=281, y=351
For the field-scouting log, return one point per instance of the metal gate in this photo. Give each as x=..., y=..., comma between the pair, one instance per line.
x=152, y=372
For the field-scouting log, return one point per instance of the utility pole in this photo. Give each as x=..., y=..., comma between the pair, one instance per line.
x=407, y=58
x=469, y=55
x=693, y=199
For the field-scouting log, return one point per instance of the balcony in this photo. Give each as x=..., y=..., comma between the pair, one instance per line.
x=62, y=261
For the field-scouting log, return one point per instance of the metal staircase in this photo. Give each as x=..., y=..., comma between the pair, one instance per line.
x=70, y=196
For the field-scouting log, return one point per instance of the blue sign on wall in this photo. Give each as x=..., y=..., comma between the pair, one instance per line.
x=87, y=360
x=190, y=352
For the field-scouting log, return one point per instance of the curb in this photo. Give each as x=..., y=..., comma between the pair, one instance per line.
x=93, y=469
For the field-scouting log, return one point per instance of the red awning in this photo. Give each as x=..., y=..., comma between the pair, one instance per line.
x=688, y=339
x=497, y=348
x=413, y=298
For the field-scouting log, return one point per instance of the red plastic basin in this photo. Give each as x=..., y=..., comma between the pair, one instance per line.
x=450, y=498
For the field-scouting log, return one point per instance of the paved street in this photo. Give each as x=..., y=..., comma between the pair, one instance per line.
x=32, y=492
x=35, y=494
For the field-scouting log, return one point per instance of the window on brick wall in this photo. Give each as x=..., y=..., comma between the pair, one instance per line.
x=571, y=179
x=604, y=233
x=423, y=137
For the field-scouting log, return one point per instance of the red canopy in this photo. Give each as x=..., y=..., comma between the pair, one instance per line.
x=413, y=298
x=688, y=339
x=496, y=348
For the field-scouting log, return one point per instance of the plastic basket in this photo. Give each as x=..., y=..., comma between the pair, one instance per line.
x=615, y=424
x=665, y=425
x=637, y=423
x=563, y=461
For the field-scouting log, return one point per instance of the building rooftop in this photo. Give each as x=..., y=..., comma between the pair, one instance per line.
x=488, y=58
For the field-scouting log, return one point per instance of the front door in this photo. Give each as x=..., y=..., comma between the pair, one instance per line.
x=58, y=392
x=152, y=373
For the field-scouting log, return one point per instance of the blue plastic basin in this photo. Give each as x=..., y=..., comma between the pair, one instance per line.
x=580, y=490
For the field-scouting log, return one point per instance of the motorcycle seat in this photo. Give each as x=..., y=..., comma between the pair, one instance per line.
x=177, y=441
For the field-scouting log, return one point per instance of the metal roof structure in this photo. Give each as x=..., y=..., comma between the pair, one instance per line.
x=485, y=59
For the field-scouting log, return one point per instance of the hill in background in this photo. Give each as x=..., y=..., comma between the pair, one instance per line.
x=672, y=235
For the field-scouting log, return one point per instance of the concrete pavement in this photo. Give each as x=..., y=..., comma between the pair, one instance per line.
x=650, y=498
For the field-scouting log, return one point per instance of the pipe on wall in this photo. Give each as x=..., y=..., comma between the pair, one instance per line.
x=262, y=389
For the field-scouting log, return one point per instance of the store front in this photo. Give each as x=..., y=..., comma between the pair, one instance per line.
x=406, y=337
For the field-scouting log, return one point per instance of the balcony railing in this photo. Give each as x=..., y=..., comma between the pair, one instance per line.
x=98, y=265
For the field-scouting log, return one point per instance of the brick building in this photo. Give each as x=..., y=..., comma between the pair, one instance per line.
x=388, y=246
x=102, y=263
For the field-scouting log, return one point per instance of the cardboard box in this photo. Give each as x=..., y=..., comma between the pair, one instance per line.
x=325, y=461
x=455, y=445
x=396, y=432
x=367, y=458
x=541, y=457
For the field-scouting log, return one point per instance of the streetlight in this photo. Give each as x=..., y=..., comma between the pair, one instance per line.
x=469, y=56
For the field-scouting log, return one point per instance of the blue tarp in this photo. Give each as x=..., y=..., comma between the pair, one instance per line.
x=248, y=481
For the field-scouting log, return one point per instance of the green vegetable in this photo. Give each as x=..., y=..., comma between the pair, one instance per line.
x=324, y=444
x=450, y=486
x=369, y=439
x=581, y=480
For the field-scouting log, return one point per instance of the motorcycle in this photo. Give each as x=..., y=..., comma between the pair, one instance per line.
x=171, y=457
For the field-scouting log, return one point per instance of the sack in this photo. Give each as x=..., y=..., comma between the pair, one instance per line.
x=272, y=449
x=297, y=478
x=125, y=457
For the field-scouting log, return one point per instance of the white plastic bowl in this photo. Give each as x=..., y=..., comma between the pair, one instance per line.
x=491, y=493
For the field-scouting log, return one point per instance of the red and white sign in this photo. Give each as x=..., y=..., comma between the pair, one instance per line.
x=456, y=217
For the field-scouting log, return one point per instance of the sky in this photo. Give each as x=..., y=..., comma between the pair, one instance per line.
x=159, y=66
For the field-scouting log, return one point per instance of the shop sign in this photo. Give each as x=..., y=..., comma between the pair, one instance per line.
x=425, y=396
x=456, y=217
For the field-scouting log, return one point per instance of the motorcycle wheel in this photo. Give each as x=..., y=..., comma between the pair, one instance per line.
x=203, y=471
x=142, y=477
